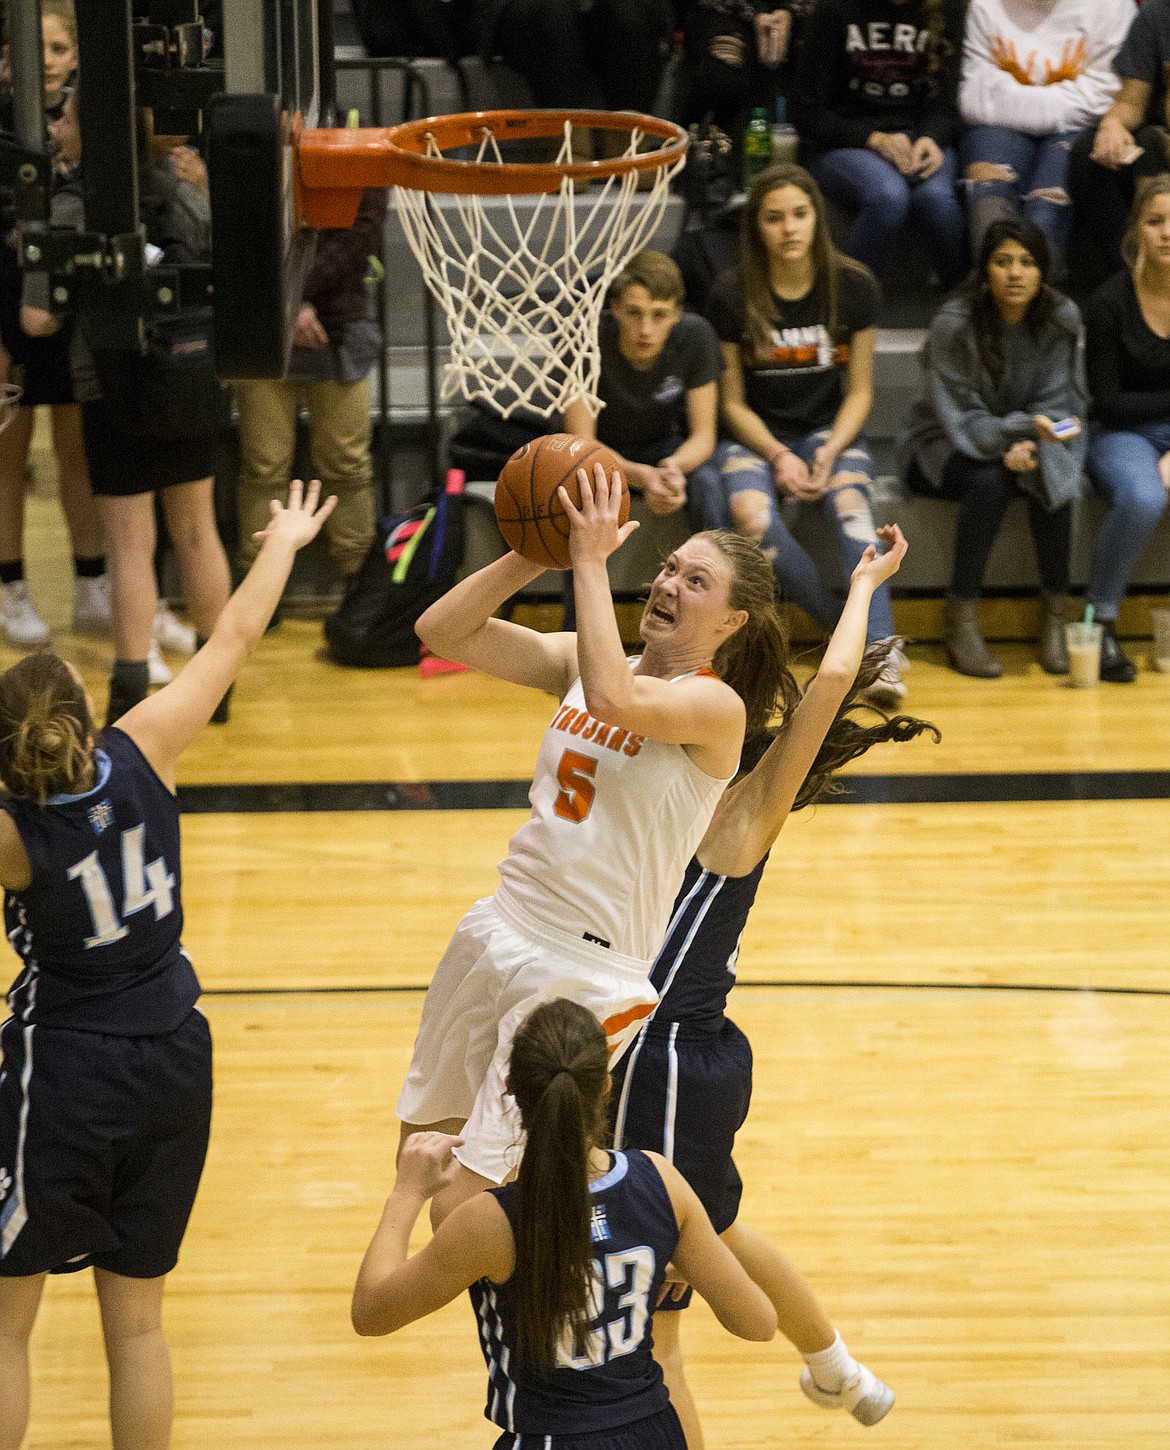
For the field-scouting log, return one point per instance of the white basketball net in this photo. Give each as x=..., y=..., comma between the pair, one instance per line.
x=523, y=289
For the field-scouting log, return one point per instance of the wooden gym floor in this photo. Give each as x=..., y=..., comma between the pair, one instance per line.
x=958, y=992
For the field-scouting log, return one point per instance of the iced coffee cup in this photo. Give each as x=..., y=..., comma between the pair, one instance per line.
x=1084, y=654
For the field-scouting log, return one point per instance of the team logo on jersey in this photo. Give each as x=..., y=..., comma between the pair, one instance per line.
x=598, y=1225
x=583, y=725
x=101, y=816
x=668, y=390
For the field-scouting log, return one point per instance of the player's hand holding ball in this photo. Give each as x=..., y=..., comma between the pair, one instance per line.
x=531, y=489
x=601, y=524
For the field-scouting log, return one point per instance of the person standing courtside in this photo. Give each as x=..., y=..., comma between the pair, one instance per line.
x=334, y=347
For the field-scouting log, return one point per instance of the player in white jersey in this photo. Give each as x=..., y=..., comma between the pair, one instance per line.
x=628, y=775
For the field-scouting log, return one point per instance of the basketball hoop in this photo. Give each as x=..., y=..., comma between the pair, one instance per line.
x=522, y=288
x=10, y=396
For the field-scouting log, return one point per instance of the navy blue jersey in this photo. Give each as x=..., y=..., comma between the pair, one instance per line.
x=616, y=1379
x=99, y=924
x=695, y=969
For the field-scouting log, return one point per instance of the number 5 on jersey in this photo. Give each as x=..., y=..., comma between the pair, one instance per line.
x=575, y=778
x=136, y=896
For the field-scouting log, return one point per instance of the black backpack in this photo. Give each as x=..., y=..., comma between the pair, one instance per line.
x=413, y=560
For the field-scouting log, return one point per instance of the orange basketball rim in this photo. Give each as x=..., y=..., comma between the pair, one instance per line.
x=334, y=167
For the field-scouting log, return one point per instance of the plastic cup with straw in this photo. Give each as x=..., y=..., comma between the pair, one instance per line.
x=1084, y=651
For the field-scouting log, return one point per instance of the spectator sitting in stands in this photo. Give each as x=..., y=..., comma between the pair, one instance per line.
x=568, y=50
x=658, y=385
x=1002, y=368
x=874, y=101
x=733, y=50
x=1131, y=142
x=1128, y=361
x=796, y=320
x=336, y=344
x=1035, y=76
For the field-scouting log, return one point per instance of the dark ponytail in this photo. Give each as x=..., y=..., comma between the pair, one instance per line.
x=559, y=1074
x=848, y=736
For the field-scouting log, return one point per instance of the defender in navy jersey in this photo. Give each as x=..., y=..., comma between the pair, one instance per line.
x=105, y=1087
x=685, y=1086
x=565, y=1265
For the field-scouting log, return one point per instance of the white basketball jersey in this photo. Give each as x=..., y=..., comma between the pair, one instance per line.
x=615, y=819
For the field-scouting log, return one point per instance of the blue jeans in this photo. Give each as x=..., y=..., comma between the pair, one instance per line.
x=1040, y=163
x=1124, y=467
x=797, y=576
x=884, y=200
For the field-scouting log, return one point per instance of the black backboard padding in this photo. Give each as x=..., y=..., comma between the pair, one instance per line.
x=259, y=257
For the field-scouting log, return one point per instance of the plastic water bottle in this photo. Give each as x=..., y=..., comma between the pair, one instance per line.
x=757, y=147
x=785, y=141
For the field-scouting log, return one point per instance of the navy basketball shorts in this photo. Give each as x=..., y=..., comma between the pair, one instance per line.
x=661, y=1431
x=102, y=1144
x=684, y=1091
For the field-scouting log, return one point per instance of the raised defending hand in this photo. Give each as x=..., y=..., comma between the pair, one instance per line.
x=298, y=522
x=875, y=568
x=594, y=531
x=427, y=1163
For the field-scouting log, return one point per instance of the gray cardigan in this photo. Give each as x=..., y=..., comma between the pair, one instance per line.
x=965, y=411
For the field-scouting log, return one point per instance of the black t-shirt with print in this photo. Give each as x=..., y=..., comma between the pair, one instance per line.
x=799, y=385
x=878, y=65
x=1145, y=54
x=645, y=406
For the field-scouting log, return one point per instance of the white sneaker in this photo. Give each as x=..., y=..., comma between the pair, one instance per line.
x=91, y=605
x=862, y=1394
x=172, y=633
x=887, y=692
x=160, y=672
x=19, y=615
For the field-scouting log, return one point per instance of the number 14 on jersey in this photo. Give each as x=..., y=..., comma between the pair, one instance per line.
x=143, y=885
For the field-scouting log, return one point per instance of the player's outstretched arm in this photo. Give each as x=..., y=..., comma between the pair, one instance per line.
x=705, y=1262
x=393, y=1289
x=165, y=724
x=460, y=627
x=751, y=814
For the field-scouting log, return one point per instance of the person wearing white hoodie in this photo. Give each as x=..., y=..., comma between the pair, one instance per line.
x=1036, y=74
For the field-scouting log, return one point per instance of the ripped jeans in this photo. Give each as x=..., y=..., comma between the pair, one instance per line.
x=845, y=506
x=1038, y=167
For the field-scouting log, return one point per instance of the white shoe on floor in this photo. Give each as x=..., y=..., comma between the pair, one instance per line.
x=20, y=617
x=160, y=672
x=91, y=605
x=171, y=633
x=887, y=692
x=866, y=1398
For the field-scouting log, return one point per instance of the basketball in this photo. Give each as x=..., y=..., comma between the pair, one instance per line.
x=528, y=510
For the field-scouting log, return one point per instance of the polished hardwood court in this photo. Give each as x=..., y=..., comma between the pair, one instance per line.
x=960, y=1011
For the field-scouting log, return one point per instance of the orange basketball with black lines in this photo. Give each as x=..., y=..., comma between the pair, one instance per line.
x=528, y=510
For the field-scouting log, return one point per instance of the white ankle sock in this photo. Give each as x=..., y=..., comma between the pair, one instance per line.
x=831, y=1367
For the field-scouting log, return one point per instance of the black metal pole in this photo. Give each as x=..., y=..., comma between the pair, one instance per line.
x=109, y=140
x=28, y=86
x=326, y=66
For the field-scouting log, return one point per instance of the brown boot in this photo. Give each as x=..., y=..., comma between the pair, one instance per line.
x=1053, y=643
x=966, y=649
